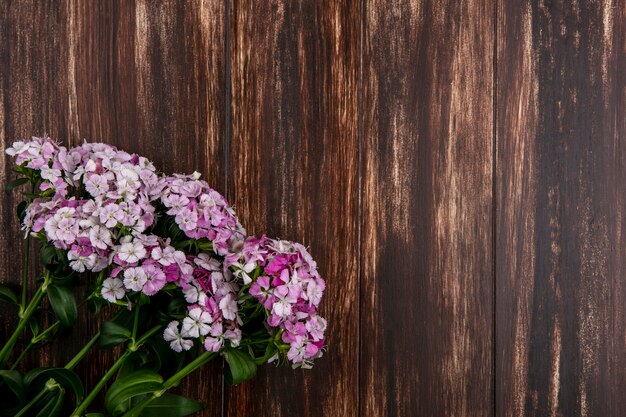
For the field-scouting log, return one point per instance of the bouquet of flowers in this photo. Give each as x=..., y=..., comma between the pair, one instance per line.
x=166, y=260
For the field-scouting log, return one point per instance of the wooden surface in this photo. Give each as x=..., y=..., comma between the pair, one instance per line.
x=456, y=168
x=426, y=254
x=561, y=135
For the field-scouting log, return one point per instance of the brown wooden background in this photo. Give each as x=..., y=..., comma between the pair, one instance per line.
x=458, y=169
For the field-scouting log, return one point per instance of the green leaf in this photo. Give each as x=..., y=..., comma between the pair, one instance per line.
x=15, y=381
x=61, y=277
x=166, y=359
x=172, y=406
x=94, y=415
x=8, y=294
x=53, y=406
x=113, y=334
x=34, y=326
x=16, y=183
x=117, y=399
x=48, y=254
x=205, y=245
x=63, y=304
x=241, y=365
x=270, y=350
x=36, y=379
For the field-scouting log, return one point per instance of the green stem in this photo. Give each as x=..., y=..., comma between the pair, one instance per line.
x=30, y=310
x=82, y=407
x=22, y=355
x=25, y=275
x=80, y=355
x=171, y=382
x=132, y=347
x=135, y=323
x=41, y=335
x=145, y=337
x=192, y=366
x=32, y=402
x=36, y=339
x=70, y=365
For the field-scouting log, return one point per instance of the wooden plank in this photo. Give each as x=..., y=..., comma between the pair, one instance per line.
x=561, y=94
x=427, y=278
x=294, y=169
x=33, y=101
x=147, y=77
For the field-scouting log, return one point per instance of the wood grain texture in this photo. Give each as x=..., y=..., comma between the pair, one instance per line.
x=294, y=169
x=366, y=130
x=561, y=97
x=33, y=99
x=426, y=290
x=125, y=73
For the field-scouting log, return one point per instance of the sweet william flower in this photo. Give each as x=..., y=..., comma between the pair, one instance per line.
x=134, y=279
x=315, y=291
x=197, y=323
x=215, y=340
x=316, y=326
x=100, y=237
x=112, y=289
x=18, y=148
x=131, y=251
x=80, y=262
x=243, y=271
x=187, y=220
x=283, y=305
x=192, y=294
x=260, y=289
x=155, y=280
x=228, y=305
x=297, y=350
x=177, y=342
x=111, y=215
x=97, y=185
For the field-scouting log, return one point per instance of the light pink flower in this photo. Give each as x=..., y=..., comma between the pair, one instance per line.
x=131, y=251
x=155, y=280
x=197, y=323
x=177, y=342
x=134, y=279
x=112, y=289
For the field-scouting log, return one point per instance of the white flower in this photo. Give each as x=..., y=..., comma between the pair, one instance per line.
x=314, y=293
x=81, y=262
x=50, y=174
x=282, y=308
x=131, y=252
x=192, y=293
x=229, y=307
x=283, y=246
x=206, y=262
x=18, y=148
x=112, y=289
x=96, y=185
x=283, y=305
x=100, y=237
x=243, y=271
x=135, y=279
x=197, y=323
x=172, y=335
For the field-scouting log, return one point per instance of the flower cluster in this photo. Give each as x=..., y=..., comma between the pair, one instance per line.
x=290, y=289
x=97, y=200
x=102, y=207
x=213, y=310
x=201, y=212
